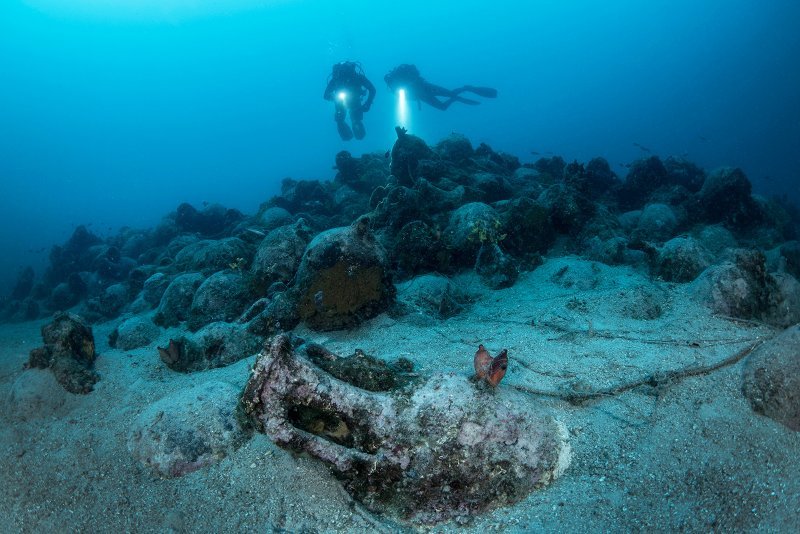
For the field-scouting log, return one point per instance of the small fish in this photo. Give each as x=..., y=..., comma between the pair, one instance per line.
x=642, y=148
x=536, y=153
x=318, y=296
x=702, y=138
x=255, y=231
x=388, y=153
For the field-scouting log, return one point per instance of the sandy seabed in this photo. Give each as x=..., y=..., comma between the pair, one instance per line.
x=689, y=454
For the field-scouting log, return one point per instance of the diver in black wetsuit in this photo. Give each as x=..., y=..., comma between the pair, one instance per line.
x=407, y=77
x=347, y=85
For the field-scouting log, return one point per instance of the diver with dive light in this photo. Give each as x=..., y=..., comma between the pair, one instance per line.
x=407, y=78
x=347, y=85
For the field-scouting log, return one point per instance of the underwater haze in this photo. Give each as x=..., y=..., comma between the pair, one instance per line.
x=114, y=112
x=549, y=283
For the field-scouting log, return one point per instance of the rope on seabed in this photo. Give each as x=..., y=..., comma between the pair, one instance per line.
x=654, y=380
x=608, y=334
x=625, y=335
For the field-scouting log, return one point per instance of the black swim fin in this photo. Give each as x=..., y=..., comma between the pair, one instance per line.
x=486, y=92
x=467, y=101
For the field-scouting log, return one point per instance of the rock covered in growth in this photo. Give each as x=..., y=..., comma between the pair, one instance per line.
x=787, y=312
x=552, y=168
x=629, y=220
x=215, y=345
x=772, y=378
x=395, y=206
x=132, y=243
x=360, y=175
x=491, y=187
x=223, y=296
x=725, y=197
x=432, y=199
x=455, y=148
x=68, y=352
x=72, y=257
x=644, y=177
x=613, y=251
x=527, y=227
x=268, y=316
x=167, y=253
x=602, y=223
x=210, y=256
x=684, y=173
x=154, y=287
x=212, y=221
x=349, y=205
x=63, y=297
x=279, y=253
x=469, y=227
x=109, y=264
x=136, y=279
x=273, y=217
x=177, y=300
x=716, y=238
x=133, y=333
x=419, y=248
x=108, y=304
x=187, y=430
x=343, y=278
x=496, y=269
x=347, y=168
x=527, y=183
x=304, y=196
x=681, y=259
x=441, y=449
x=599, y=177
x=569, y=208
x=498, y=162
x=657, y=222
x=407, y=151
x=744, y=289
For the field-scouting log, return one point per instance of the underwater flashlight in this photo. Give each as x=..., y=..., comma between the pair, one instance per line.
x=402, y=108
x=342, y=96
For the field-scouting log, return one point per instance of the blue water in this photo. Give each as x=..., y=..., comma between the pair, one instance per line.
x=114, y=112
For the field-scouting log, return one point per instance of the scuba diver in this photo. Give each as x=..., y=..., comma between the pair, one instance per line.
x=407, y=77
x=347, y=85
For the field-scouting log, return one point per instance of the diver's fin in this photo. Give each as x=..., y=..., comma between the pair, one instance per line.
x=467, y=101
x=344, y=131
x=358, y=130
x=486, y=92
